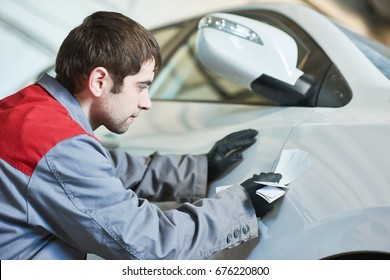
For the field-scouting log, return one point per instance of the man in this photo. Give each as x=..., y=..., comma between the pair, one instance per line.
x=63, y=195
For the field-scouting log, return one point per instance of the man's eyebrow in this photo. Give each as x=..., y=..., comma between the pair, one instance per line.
x=148, y=82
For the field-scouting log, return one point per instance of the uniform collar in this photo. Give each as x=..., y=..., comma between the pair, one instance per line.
x=63, y=96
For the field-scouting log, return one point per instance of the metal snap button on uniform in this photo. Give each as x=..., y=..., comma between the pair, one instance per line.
x=245, y=229
x=229, y=238
x=236, y=233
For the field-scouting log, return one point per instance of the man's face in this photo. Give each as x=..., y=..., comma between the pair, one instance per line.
x=116, y=111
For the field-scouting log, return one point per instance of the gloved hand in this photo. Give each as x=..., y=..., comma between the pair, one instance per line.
x=228, y=151
x=262, y=207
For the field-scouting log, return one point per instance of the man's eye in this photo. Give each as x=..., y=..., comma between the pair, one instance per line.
x=142, y=88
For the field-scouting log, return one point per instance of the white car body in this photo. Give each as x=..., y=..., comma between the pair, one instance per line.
x=341, y=204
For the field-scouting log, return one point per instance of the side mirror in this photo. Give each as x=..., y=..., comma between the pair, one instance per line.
x=242, y=50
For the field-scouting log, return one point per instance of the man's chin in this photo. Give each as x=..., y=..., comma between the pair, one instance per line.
x=120, y=129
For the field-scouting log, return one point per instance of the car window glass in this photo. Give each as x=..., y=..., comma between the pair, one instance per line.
x=182, y=78
x=164, y=35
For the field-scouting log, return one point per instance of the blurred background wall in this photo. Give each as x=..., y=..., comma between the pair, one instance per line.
x=31, y=31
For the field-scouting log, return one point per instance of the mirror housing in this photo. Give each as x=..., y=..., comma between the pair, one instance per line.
x=242, y=50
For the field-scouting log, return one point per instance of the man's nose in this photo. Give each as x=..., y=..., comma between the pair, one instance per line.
x=145, y=102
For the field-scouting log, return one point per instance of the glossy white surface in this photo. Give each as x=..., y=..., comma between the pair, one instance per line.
x=336, y=206
x=276, y=56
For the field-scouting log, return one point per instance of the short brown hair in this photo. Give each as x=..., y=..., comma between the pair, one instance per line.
x=105, y=39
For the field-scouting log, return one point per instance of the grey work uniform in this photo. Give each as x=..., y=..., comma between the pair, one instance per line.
x=63, y=195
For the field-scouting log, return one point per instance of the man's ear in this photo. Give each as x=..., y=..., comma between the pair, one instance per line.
x=99, y=81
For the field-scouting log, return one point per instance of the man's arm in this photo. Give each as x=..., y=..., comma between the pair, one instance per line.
x=76, y=197
x=159, y=178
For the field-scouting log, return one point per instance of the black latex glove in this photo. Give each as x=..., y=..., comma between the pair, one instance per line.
x=262, y=207
x=228, y=151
